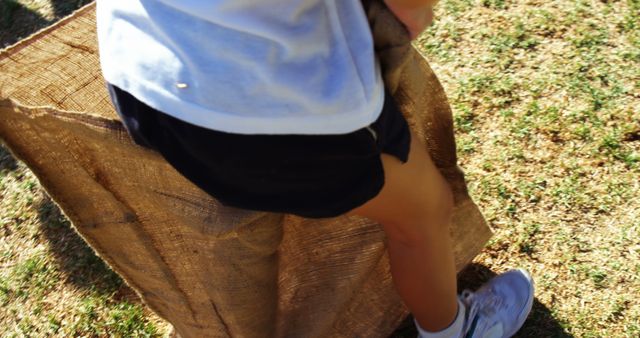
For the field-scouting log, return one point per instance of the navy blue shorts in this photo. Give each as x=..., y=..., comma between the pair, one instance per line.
x=313, y=176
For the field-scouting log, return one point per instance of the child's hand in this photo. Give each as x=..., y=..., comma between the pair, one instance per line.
x=415, y=18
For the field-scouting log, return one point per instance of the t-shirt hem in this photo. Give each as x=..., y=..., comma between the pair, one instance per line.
x=211, y=119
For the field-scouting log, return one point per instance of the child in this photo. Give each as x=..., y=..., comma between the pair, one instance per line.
x=278, y=105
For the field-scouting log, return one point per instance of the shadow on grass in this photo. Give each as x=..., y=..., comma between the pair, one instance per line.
x=76, y=261
x=63, y=8
x=74, y=258
x=18, y=21
x=539, y=324
x=7, y=161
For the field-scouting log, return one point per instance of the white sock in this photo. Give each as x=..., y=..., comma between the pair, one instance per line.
x=453, y=331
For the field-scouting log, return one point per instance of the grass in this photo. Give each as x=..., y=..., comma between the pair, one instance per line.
x=19, y=18
x=546, y=100
x=51, y=283
x=546, y=96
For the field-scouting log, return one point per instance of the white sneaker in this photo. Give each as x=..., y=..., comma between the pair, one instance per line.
x=499, y=308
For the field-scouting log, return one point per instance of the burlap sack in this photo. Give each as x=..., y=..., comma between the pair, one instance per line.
x=211, y=270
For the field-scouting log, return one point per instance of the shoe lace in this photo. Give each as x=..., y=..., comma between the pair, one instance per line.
x=483, y=305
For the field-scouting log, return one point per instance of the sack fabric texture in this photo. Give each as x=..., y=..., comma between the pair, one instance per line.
x=208, y=269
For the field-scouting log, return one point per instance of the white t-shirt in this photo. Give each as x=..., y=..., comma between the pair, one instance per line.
x=245, y=66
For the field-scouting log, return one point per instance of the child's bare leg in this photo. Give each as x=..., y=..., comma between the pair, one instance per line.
x=414, y=208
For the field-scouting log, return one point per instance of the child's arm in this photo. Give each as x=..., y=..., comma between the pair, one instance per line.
x=416, y=15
